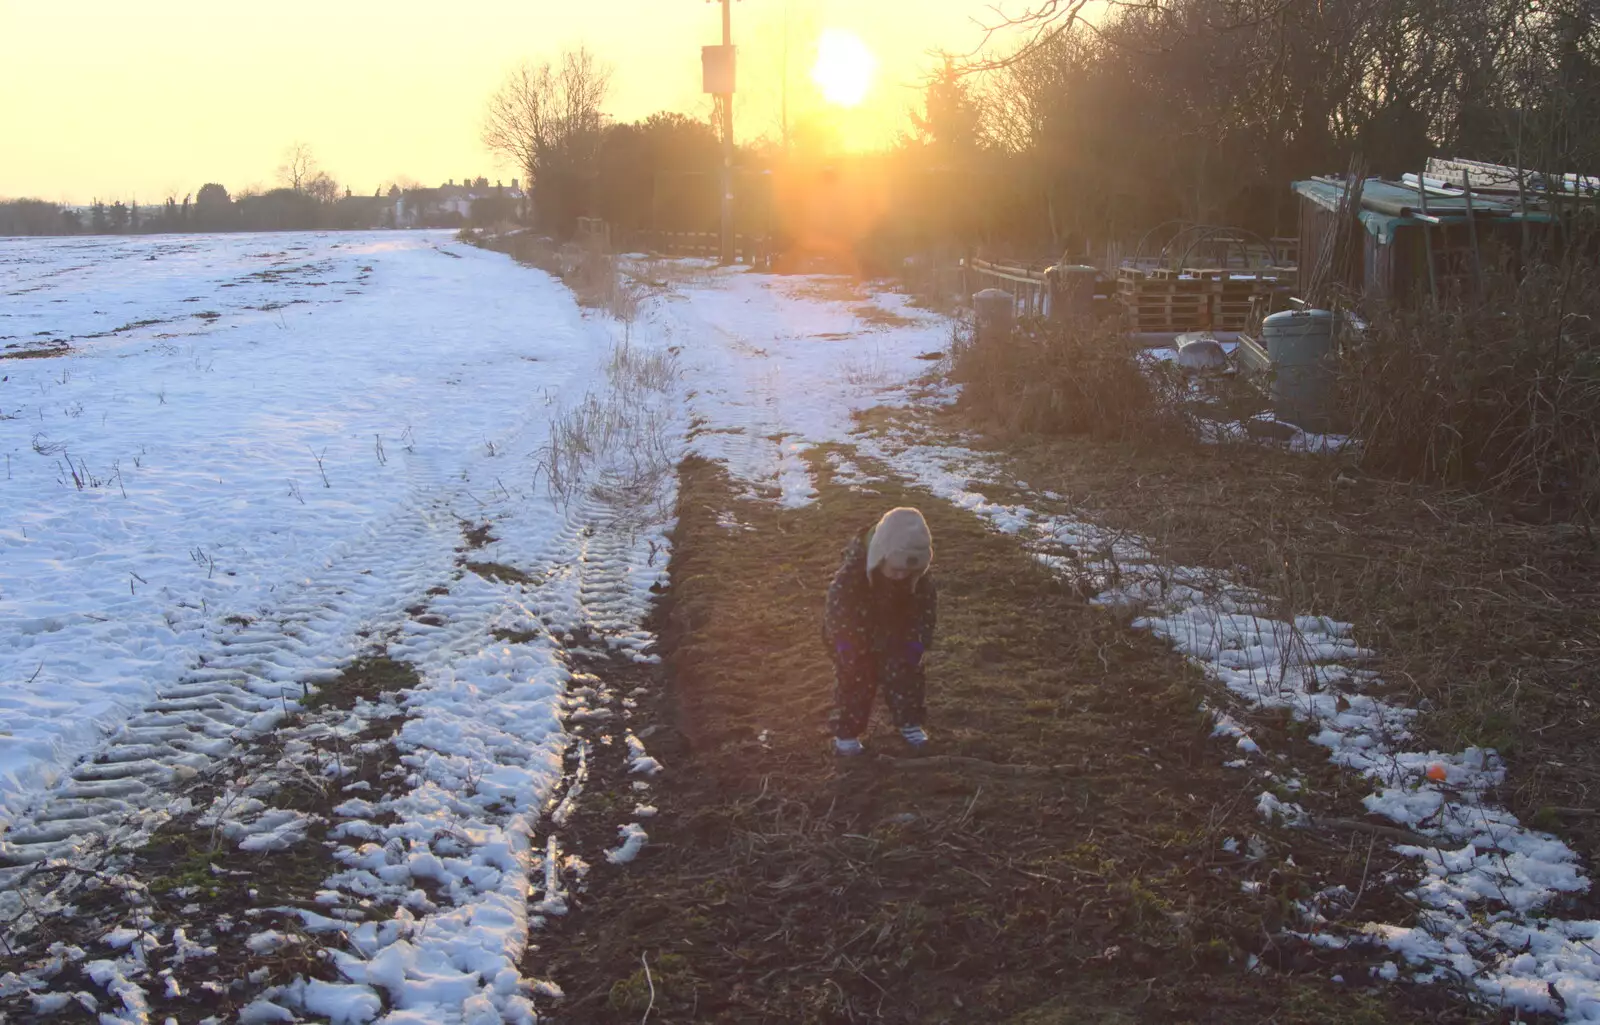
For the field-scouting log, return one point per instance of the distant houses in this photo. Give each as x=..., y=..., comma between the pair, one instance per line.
x=474, y=201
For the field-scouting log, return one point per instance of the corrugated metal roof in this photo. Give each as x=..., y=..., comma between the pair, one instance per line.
x=1387, y=205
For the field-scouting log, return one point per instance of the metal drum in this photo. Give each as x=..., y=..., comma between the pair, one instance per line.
x=1300, y=344
x=996, y=312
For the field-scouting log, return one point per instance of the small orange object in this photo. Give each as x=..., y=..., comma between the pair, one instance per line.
x=1436, y=772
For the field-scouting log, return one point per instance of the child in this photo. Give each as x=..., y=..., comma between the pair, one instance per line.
x=878, y=624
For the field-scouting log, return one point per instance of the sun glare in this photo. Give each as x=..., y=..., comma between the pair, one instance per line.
x=844, y=68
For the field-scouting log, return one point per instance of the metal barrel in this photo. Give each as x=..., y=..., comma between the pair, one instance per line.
x=1300, y=346
x=995, y=310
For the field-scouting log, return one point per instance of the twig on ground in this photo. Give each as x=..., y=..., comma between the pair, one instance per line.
x=320, y=469
x=951, y=761
x=1404, y=836
x=652, y=984
x=1365, y=869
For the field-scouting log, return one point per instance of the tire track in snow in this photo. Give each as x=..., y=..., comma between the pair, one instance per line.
x=466, y=815
x=240, y=686
x=748, y=423
x=496, y=771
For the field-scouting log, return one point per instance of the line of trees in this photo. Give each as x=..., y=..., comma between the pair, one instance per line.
x=548, y=121
x=1199, y=110
x=1205, y=110
x=1195, y=110
x=306, y=197
x=212, y=209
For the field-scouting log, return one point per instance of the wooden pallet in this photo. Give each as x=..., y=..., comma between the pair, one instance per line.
x=1220, y=298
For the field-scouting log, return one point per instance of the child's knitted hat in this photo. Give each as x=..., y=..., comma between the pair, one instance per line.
x=901, y=542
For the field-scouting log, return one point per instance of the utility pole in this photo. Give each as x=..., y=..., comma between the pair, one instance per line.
x=727, y=137
x=783, y=93
x=717, y=71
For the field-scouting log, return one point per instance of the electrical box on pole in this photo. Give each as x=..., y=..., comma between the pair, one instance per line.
x=717, y=69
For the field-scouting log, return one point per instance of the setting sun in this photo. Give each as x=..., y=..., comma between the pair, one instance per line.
x=844, y=68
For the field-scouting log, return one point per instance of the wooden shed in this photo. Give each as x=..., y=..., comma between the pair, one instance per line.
x=1422, y=233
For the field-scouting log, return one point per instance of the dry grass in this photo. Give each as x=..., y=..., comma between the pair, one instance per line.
x=661, y=273
x=1501, y=394
x=36, y=351
x=1490, y=623
x=1052, y=378
x=865, y=369
x=877, y=316
x=498, y=572
x=833, y=288
x=776, y=888
x=617, y=445
x=594, y=275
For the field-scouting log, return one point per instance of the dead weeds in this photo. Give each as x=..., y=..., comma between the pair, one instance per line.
x=1489, y=623
x=835, y=288
x=365, y=679
x=32, y=351
x=877, y=316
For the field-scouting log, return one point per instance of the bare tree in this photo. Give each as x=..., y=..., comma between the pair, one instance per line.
x=1039, y=25
x=547, y=121
x=1232, y=99
x=299, y=167
x=517, y=126
x=322, y=187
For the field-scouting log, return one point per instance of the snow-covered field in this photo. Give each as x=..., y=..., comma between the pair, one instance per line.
x=262, y=451
x=244, y=419
x=258, y=461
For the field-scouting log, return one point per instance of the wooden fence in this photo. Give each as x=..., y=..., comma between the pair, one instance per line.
x=746, y=248
x=594, y=231
x=1026, y=284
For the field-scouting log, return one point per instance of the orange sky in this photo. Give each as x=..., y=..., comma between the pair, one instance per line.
x=141, y=99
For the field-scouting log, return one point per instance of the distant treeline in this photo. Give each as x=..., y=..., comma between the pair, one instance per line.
x=280, y=209
x=1200, y=111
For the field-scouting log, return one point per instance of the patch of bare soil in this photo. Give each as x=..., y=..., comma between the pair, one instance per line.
x=838, y=288
x=499, y=572
x=477, y=535
x=872, y=313
x=34, y=350
x=1063, y=862
x=191, y=876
